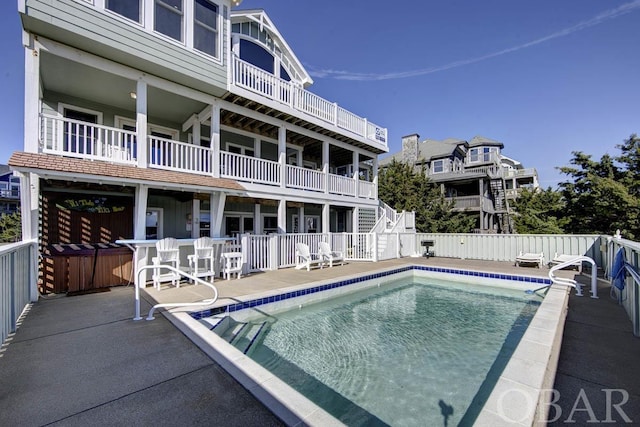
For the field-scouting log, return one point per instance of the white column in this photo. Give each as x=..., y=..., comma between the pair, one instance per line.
x=257, y=148
x=195, y=219
x=257, y=221
x=325, y=165
x=326, y=208
x=216, y=213
x=282, y=155
x=140, y=212
x=31, y=98
x=29, y=206
x=301, y=225
x=375, y=176
x=197, y=132
x=282, y=216
x=354, y=220
x=356, y=174
x=215, y=140
x=141, y=124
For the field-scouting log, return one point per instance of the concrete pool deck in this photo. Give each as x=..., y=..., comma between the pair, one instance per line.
x=82, y=360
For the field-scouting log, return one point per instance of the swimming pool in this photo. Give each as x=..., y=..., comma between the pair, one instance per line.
x=531, y=355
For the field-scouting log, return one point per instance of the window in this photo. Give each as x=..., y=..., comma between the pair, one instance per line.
x=153, y=224
x=127, y=8
x=270, y=224
x=78, y=135
x=481, y=154
x=205, y=27
x=240, y=149
x=438, y=166
x=168, y=18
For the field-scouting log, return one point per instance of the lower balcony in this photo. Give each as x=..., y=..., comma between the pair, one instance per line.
x=74, y=138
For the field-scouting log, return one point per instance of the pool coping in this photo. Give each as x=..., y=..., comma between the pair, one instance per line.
x=528, y=376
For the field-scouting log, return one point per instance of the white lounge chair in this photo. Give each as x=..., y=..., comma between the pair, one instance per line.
x=326, y=254
x=167, y=253
x=305, y=259
x=530, y=258
x=561, y=258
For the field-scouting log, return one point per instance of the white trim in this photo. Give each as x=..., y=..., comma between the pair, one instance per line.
x=120, y=121
x=62, y=106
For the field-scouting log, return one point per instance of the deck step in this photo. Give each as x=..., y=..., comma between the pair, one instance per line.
x=234, y=328
x=212, y=322
x=253, y=333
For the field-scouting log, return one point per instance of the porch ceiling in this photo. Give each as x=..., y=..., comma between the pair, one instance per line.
x=76, y=80
x=312, y=146
x=289, y=118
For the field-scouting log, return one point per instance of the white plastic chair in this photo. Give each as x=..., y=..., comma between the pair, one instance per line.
x=232, y=261
x=326, y=254
x=305, y=259
x=201, y=261
x=168, y=253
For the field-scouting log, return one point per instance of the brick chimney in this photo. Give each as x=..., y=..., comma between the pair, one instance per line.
x=410, y=148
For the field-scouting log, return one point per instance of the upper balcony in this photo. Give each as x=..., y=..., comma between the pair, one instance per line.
x=75, y=138
x=255, y=84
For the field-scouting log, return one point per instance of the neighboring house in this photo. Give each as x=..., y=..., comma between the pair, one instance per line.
x=148, y=118
x=474, y=174
x=9, y=191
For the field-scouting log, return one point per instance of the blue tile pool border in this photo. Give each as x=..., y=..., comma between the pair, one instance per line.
x=320, y=288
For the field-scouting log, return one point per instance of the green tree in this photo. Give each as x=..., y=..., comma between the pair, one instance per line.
x=539, y=212
x=603, y=196
x=10, y=227
x=404, y=188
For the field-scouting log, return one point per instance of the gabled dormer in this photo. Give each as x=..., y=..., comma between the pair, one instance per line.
x=483, y=150
x=255, y=40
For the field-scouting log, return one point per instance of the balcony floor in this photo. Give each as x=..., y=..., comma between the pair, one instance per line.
x=82, y=360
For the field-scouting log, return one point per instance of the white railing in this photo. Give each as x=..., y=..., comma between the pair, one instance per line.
x=367, y=190
x=629, y=297
x=305, y=179
x=464, y=202
x=10, y=194
x=348, y=120
x=573, y=283
x=179, y=156
x=179, y=273
x=74, y=138
x=342, y=185
x=257, y=80
x=246, y=168
x=287, y=246
x=18, y=275
x=254, y=79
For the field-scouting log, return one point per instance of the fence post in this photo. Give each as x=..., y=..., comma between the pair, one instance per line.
x=374, y=236
x=274, y=252
x=244, y=247
x=398, y=250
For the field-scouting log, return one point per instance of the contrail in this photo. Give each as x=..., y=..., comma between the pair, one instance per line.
x=598, y=19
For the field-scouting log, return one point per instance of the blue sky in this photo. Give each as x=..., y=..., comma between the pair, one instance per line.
x=545, y=77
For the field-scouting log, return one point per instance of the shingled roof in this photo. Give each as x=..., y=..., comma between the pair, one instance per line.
x=36, y=162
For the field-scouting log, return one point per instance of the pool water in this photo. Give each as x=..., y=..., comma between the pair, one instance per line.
x=409, y=353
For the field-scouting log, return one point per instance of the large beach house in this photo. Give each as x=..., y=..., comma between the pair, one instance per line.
x=147, y=119
x=474, y=175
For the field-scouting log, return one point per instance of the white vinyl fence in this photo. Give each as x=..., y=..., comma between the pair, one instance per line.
x=278, y=250
x=18, y=275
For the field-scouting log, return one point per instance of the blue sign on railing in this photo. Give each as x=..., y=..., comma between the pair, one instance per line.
x=380, y=135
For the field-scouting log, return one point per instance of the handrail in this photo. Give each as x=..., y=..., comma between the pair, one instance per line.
x=170, y=304
x=636, y=279
x=573, y=283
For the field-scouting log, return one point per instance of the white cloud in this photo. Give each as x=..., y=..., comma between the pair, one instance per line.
x=598, y=19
